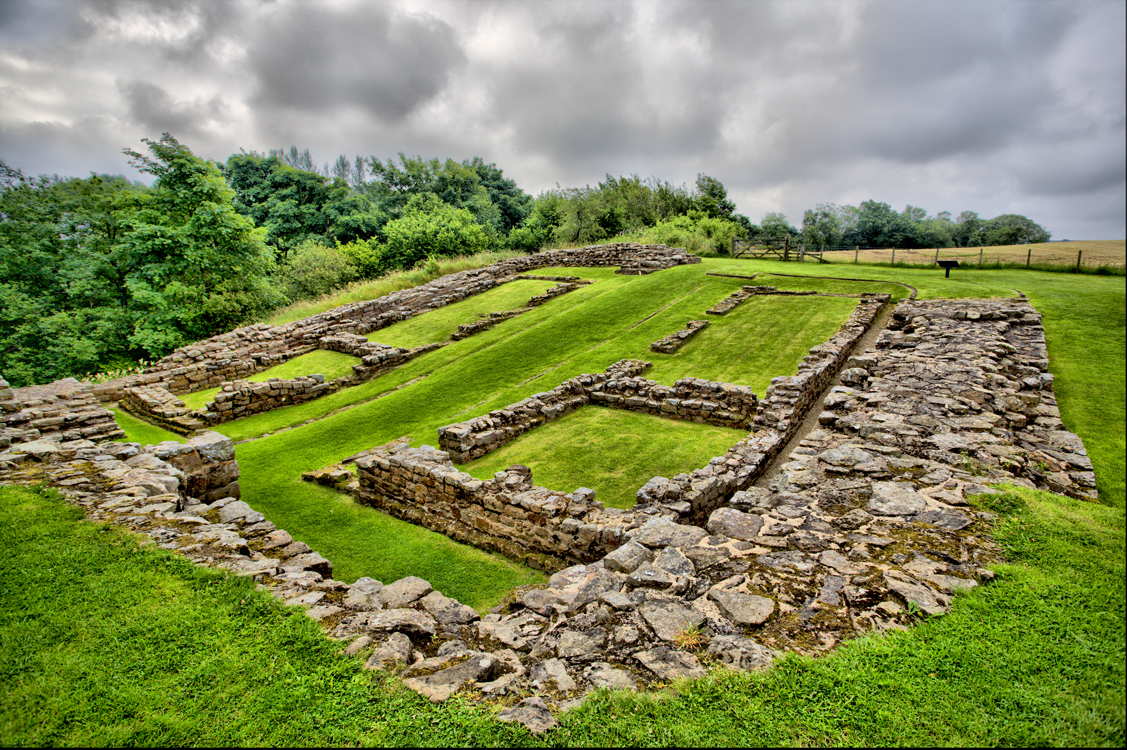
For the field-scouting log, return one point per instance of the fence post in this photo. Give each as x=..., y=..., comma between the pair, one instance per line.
x=893, y=256
x=1078, y=252
x=937, y=254
x=856, y=252
x=980, y=251
x=1028, y=257
x=786, y=248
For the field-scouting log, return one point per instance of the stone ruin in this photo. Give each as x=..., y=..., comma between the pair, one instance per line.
x=227, y=360
x=864, y=527
x=63, y=410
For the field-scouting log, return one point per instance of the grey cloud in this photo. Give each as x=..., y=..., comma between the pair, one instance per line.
x=156, y=111
x=315, y=57
x=585, y=98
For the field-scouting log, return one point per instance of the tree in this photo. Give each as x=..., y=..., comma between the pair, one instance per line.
x=968, y=229
x=62, y=310
x=313, y=270
x=878, y=225
x=342, y=169
x=196, y=266
x=1013, y=229
x=822, y=226
x=775, y=228
x=712, y=198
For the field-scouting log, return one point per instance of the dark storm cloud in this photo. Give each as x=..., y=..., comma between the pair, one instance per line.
x=388, y=63
x=996, y=107
x=154, y=109
x=587, y=93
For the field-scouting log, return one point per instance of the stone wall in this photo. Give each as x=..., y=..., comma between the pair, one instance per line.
x=476, y=437
x=243, y=398
x=541, y=528
x=867, y=527
x=787, y=401
x=156, y=405
x=63, y=410
x=689, y=399
x=743, y=294
x=675, y=341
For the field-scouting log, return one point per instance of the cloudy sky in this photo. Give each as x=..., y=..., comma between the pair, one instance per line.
x=997, y=107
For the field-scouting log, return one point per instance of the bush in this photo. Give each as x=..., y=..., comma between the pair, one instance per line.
x=695, y=232
x=313, y=269
x=366, y=256
x=432, y=228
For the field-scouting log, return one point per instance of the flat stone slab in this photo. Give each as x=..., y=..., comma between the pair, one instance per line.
x=895, y=499
x=405, y=591
x=735, y=523
x=669, y=618
x=533, y=713
x=439, y=686
x=669, y=664
x=743, y=609
x=410, y=622
x=661, y=532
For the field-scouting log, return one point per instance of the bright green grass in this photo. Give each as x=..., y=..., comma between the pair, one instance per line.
x=140, y=431
x=437, y=325
x=1036, y=658
x=317, y=362
x=139, y=647
x=572, y=452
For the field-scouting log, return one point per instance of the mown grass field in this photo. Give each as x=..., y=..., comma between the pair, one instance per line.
x=1036, y=658
x=1092, y=254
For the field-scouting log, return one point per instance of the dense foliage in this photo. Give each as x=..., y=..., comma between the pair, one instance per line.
x=97, y=273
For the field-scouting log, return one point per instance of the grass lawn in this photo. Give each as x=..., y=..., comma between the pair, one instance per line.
x=572, y=452
x=140, y=431
x=1035, y=658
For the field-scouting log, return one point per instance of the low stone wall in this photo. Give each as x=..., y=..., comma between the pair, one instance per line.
x=243, y=398
x=474, y=438
x=743, y=294
x=156, y=405
x=63, y=410
x=551, y=294
x=697, y=494
x=484, y=324
x=689, y=399
x=867, y=527
x=541, y=528
x=788, y=398
x=675, y=341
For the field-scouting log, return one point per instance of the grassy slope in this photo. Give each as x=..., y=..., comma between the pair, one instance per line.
x=579, y=332
x=1036, y=658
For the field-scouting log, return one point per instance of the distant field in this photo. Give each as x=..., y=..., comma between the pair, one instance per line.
x=1093, y=254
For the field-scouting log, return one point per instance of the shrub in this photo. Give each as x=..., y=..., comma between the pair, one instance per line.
x=432, y=228
x=313, y=269
x=366, y=256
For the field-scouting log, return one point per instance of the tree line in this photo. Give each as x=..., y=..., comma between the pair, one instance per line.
x=97, y=273
x=875, y=224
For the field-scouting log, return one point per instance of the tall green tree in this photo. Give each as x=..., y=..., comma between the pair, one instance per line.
x=197, y=267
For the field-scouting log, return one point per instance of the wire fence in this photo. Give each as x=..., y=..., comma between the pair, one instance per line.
x=1091, y=257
